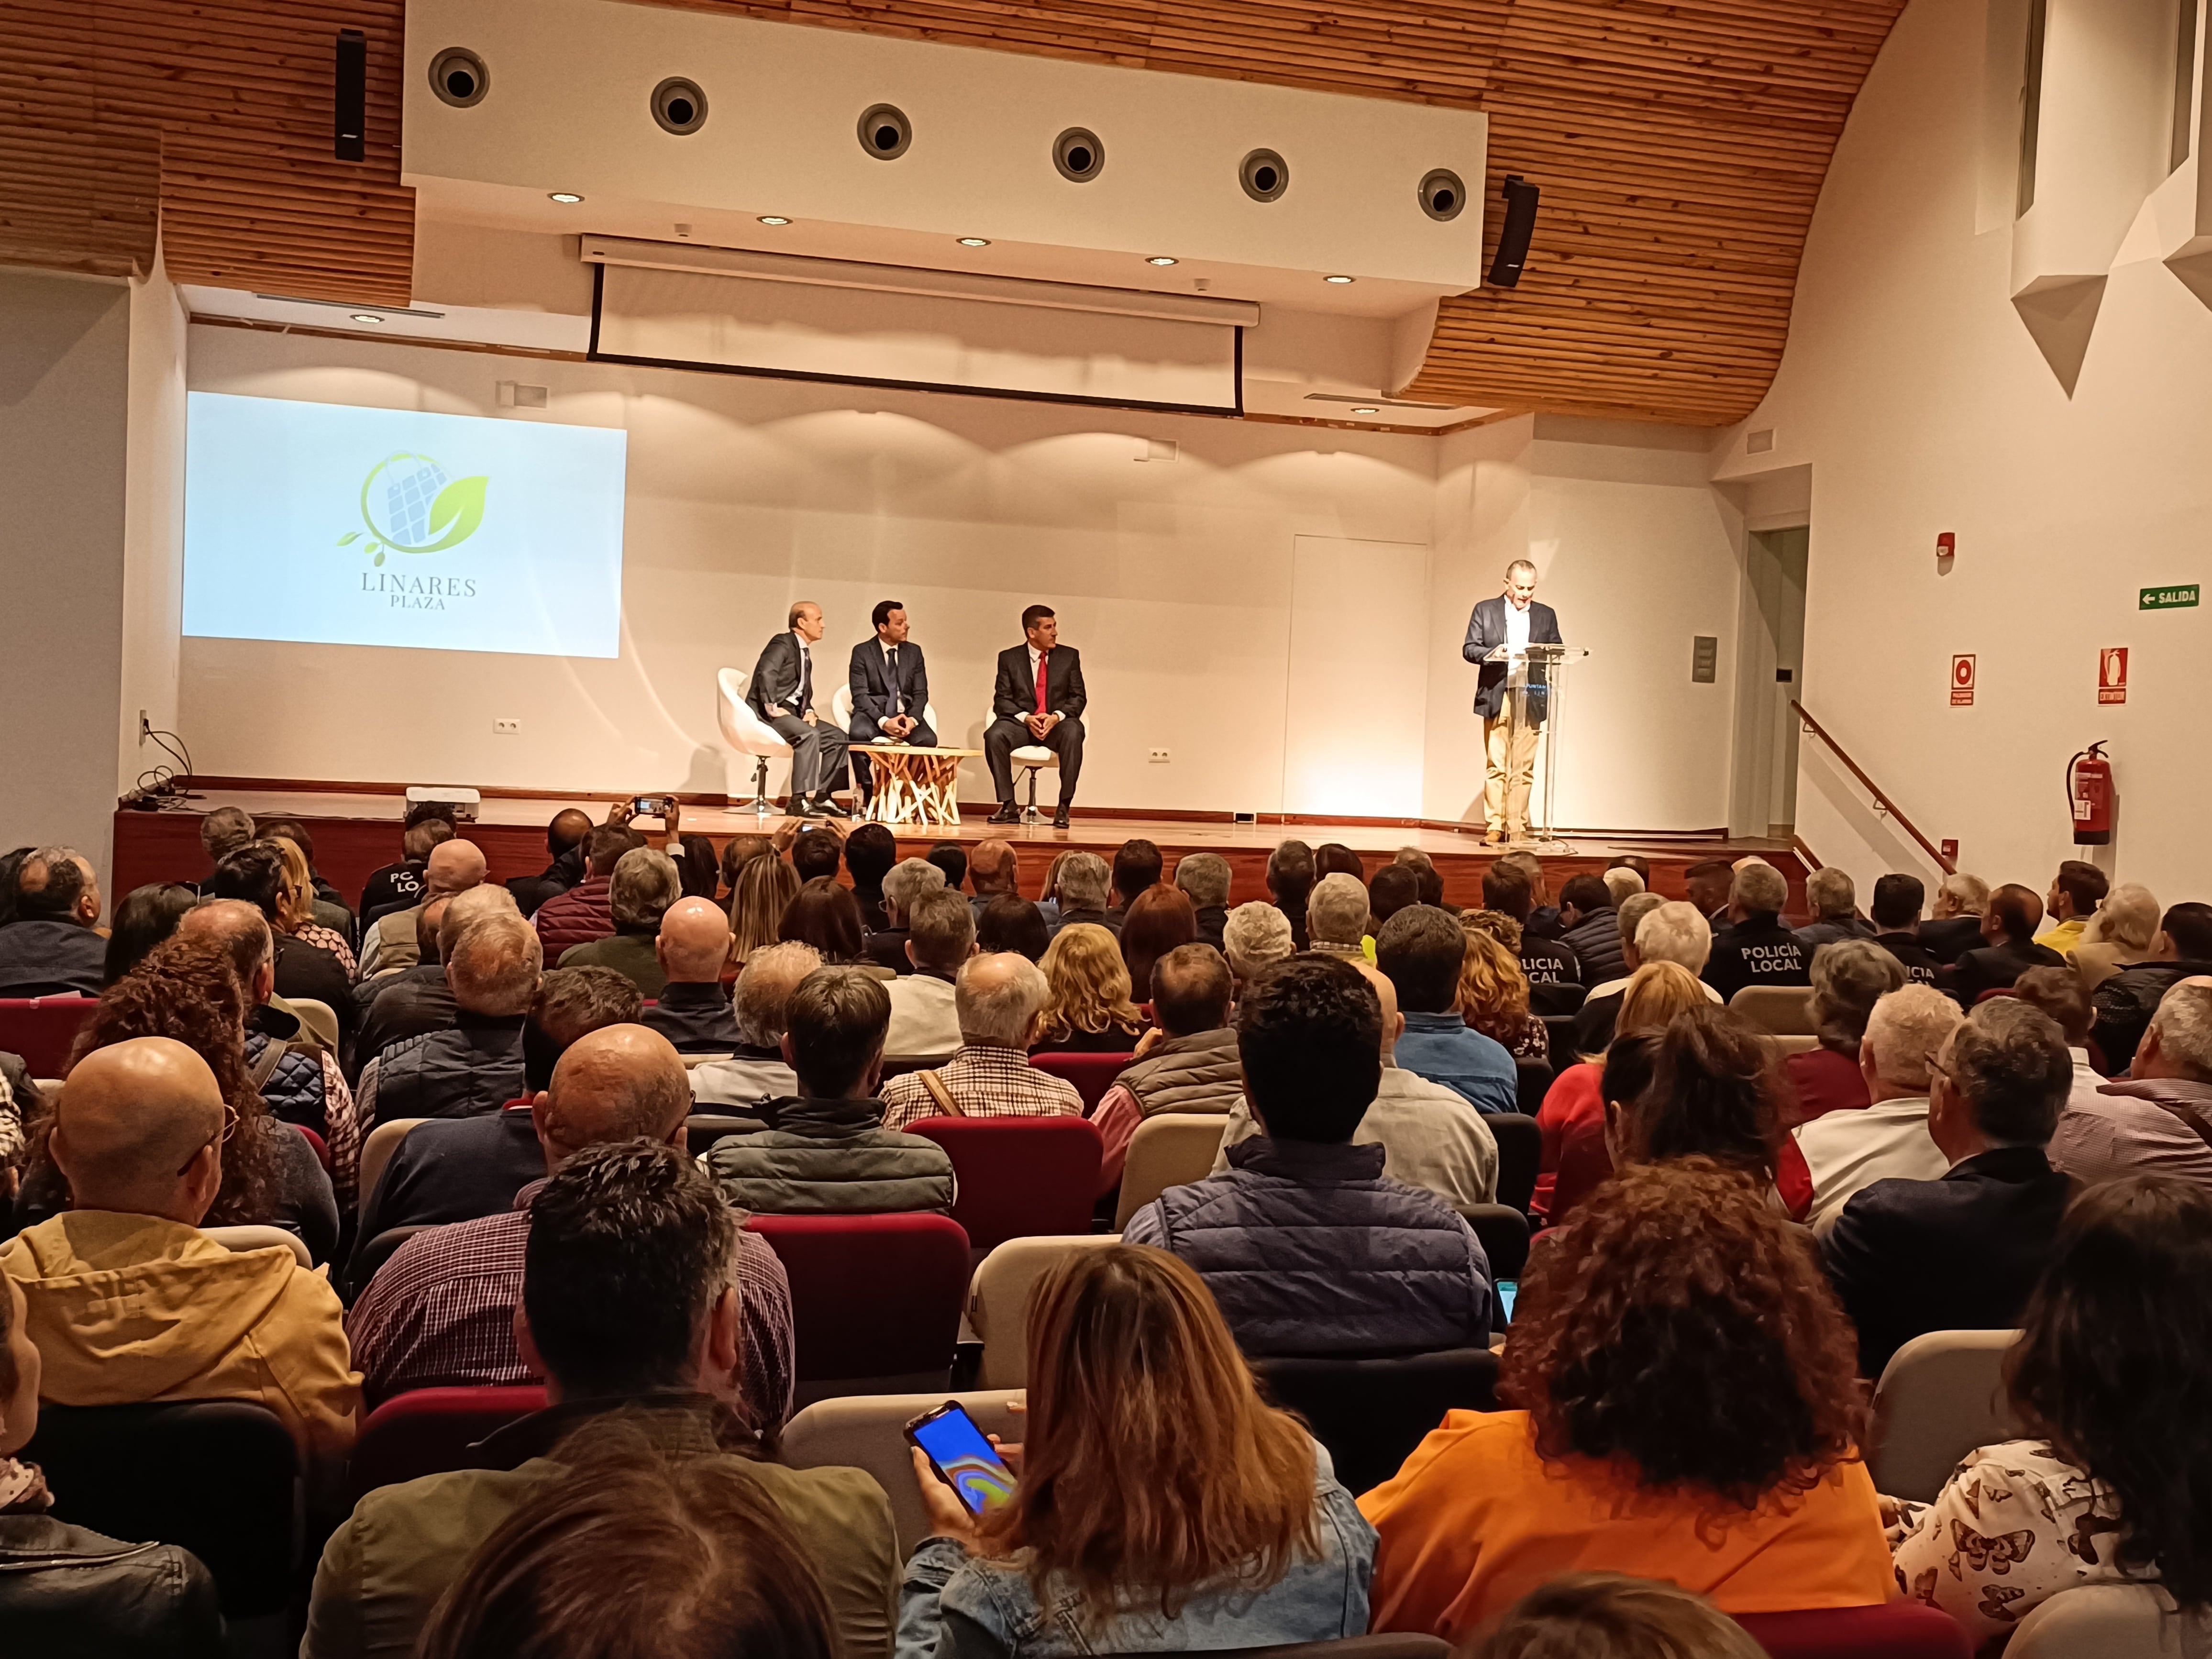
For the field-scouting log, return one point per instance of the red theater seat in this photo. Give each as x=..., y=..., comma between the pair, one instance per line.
x=429, y=1432
x=1091, y=1074
x=875, y=1299
x=1896, y=1630
x=43, y=1029
x=1020, y=1177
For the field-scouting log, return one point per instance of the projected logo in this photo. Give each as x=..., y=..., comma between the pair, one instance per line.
x=410, y=506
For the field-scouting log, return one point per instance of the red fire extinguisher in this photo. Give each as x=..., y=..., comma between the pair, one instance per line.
x=2089, y=796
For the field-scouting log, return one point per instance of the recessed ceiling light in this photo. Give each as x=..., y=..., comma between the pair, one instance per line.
x=367, y=317
x=974, y=241
x=1339, y=281
x=1365, y=409
x=1160, y=259
x=774, y=219
x=565, y=198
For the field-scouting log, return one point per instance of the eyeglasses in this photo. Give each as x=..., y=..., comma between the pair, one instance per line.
x=221, y=1136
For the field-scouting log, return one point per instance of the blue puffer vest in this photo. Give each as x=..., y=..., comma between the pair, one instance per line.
x=1309, y=1250
x=474, y=1068
x=295, y=1089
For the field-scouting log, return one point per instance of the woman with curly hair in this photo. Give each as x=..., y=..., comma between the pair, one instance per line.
x=2112, y=1375
x=1684, y=1404
x=186, y=989
x=763, y=892
x=1088, y=1010
x=1494, y=995
x=295, y=907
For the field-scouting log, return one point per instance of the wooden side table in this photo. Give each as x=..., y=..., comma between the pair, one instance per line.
x=915, y=786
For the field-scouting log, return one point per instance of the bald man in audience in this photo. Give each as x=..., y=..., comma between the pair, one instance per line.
x=390, y=946
x=477, y=1064
x=694, y=1011
x=991, y=871
x=129, y=1304
x=2008, y=949
x=440, y=1312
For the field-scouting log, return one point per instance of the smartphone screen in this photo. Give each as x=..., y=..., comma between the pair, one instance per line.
x=951, y=1440
x=1508, y=1289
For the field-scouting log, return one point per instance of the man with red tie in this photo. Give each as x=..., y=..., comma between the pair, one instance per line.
x=1039, y=700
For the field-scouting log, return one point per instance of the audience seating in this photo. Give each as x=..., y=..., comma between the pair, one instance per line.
x=430, y=1431
x=321, y=1147
x=875, y=1299
x=693, y=1062
x=43, y=1029
x=900, y=1065
x=1941, y=1395
x=749, y=734
x=1504, y=1231
x=369, y=1256
x=376, y=1152
x=999, y=1302
x=702, y=1129
x=867, y=1433
x=1171, y=1148
x=2113, y=1621
x=1091, y=1074
x=1535, y=1081
x=1561, y=1030
x=1782, y=1009
x=1794, y=1044
x=1370, y=1413
x=319, y=1018
x=1993, y=992
x=220, y=1478
x=259, y=1239
x=1018, y=1177
x=1896, y=1630
x=1389, y=1645
x=1519, y=1155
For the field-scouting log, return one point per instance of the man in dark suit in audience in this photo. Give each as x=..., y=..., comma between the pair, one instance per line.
x=786, y=695
x=1954, y=918
x=1755, y=948
x=2009, y=927
x=1962, y=1253
x=1039, y=700
x=1896, y=913
x=693, y=1011
x=565, y=839
x=890, y=686
x=50, y=949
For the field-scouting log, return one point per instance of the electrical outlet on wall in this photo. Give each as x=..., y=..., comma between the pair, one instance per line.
x=1160, y=757
x=506, y=728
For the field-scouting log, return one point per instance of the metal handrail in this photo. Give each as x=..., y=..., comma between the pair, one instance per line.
x=1882, y=802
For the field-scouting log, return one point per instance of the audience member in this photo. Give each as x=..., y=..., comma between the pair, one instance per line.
x=1084, y=884
x=1708, y=883
x=1048, y=896
x=1158, y=920
x=1087, y=1009
x=756, y=1072
x=254, y=874
x=1712, y=1095
x=586, y=911
x=1010, y=922
x=690, y=947
x=2112, y=1380
x=2122, y=932
x=2076, y=892
x=1554, y=973
x=870, y=850
x=2125, y=1002
x=952, y=858
x=421, y=1001
x=440, y=1312
x=1690, y=1413
x=1963, y=1252
x=129, y=1303
x=643, y=886
x=737, y=853
x=1849, y=977
x=1621, y=883
x=1421, y=950
x=940, y=937
x=2058, y=993
x=333, y=911
x=52, y=947
x=1609, y=1615
x=568, y=840
x=824, y=915
x=764, y=891
x=1834, y=899
x=147, y=916
x=636, y=1289
x=830, y=1150
x=477, y=1066
x=2010, y=951
x=992, y=869
x=1429, y=1136
x=1188, y=1063
x=1336, y=917
x=1680, y=935
x=1590, y=927
x=1134, y=1389
x=817, y=850
x=1307, y=1246
x=458, y=1169
x=1493, y=997
x=2173, y=1067
x=1000, y=1001
x=1637, y=862
x=1846, y=1152
x=399, y=886
x=1256, y=936
x=1896, y=911
x=390, y=946
x=1428, y=881
x=1395, y=886
x=1290, y=881
x=1136, y=868
x=1204, y=879
x=297, y=909
x=1755, y=948
x=1954, y=917
x=906, y=881
x=1334, y=858
x=223, y=830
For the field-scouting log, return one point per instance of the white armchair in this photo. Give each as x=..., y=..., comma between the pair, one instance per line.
x=749, y=734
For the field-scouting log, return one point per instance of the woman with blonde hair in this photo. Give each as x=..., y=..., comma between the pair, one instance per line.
x=1161, y=1504
x=295, y=907
x=1494, y=995
x=763, y=891
x=1089, y=1011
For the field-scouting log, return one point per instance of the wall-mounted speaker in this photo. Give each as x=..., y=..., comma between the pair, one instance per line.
x=886, y=132
x=1264, y=175
x=1513, y=237
x=679, y=106
x=349, y=97
x=1079, y=155
x=1443, y=195
x=458, y=76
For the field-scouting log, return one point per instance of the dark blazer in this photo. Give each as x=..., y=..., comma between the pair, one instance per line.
x=775, y=678
x=1948, y=939
x=1960, y=1254
x=1015, y=696
x=870, y=687
x=1486, y=632
x=1992, y=965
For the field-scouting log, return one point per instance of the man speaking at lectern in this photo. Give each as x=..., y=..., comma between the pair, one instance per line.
x=1509, y=753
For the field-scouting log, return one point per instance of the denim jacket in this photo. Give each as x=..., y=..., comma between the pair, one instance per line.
x=956, y=1606
x=1444, y=1048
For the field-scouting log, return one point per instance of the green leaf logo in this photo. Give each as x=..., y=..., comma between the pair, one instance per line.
x=418, y=510
x=461, y=505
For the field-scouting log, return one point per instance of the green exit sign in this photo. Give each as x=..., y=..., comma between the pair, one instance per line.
x=2167, y=598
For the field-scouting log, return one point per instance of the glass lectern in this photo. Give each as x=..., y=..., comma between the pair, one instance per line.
x=1536, y=684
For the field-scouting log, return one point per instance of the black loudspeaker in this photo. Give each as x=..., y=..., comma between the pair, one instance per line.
x=349, y=97
x=1513, y=239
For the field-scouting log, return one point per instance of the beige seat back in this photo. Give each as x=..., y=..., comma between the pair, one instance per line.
x=376, y=1152
x=868, y=1432
x=1787, y=1046
x=1941, y=1395
x=319, y=1018
x=240, y=1239
x=998, y=1300
x=2111, y=1621
x=1172, y=1150
x=1782, y=1009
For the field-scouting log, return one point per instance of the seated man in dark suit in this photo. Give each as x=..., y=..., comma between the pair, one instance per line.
x=2125, y=1002
x=869, y=852
x=50, y=949
x=1961, y=1254
x=889, y=685
x=476, y=1066
x=1039, y=699
x=2014, y=914
x=565, y=839
x=1896, y=913
x=1954, y=918
x=694, y=1011
x=783, y=691
x=908, y=880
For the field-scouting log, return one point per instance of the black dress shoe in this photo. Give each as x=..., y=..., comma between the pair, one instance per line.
x=800, y=807
x=825, y=806
x=1008, y=813
x=1060, y=817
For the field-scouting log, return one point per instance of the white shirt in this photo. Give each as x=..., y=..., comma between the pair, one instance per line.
x=923, y=1019
x=1431, y=1138
x=1847, y=1151
x=1517, y=626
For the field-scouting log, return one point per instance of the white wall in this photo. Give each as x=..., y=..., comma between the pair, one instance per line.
x=152, y=525
x=64, y=345
x=1914, y=391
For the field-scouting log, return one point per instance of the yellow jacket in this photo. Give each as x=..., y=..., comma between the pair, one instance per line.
x=130, y=1309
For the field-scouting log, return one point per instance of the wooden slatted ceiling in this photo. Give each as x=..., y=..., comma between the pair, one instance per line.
x=1681, y=145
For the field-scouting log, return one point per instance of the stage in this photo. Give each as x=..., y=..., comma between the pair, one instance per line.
x=357, y=832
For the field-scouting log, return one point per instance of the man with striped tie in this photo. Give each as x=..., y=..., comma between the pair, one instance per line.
x=782, y=692
x=1039, y=700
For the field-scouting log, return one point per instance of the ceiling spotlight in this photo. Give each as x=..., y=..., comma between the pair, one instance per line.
x=1339, y=281
x=974, y=241
x=1160, y=259
x=367, y=317
x=565, y=198
x=774, y=219
x=1365, y=408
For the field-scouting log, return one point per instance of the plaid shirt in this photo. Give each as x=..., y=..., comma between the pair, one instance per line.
x=441, y=1313
x=987, y=1083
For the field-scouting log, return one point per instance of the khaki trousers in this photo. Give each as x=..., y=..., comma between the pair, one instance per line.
x=1510, y=769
